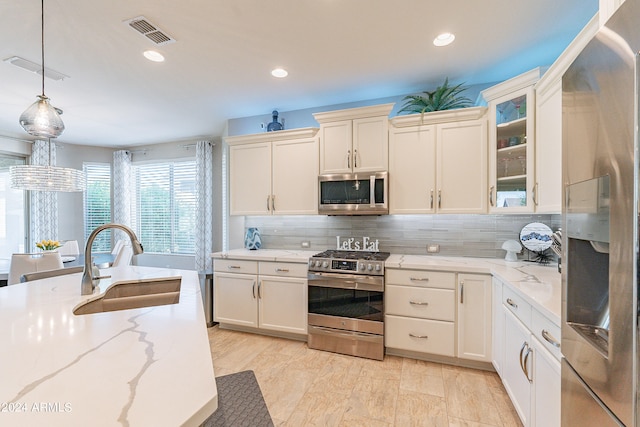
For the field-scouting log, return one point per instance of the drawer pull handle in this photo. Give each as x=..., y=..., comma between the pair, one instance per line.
x=418, y=303
x=282, y=270
x=550, y=339
x=511, y=303
x=233, y=267
x=419, y=279
x=418, y=336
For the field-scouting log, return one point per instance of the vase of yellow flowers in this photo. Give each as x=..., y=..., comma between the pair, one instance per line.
x=48, y=245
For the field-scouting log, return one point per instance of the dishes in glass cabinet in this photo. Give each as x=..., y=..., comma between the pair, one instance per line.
x=536, y=236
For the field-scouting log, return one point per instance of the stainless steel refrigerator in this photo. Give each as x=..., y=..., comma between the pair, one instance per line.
x=600, y=223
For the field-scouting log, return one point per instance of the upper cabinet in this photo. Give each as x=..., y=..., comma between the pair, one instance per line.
x=274, y=173
x=512, y=143
x=438, y=162
x=608, y=8
x=354, y=140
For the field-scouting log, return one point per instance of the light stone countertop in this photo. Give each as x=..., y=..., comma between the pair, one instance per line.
x=537, y=284
x=137, y=367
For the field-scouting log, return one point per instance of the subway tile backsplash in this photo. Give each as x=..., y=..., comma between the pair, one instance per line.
x=457, y=235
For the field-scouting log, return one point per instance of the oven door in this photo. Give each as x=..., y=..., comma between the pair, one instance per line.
x=346, y=301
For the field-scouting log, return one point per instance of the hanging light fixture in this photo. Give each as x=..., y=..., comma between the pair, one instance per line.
x=42, y=119
x=47, y=177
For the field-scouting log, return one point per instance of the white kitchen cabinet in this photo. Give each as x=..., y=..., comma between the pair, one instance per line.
x=512, y=143
x=354, y=140
x=608, y=8
x=497, y=338
x=474, y=317
x=262, y=295
x=546, y=387
x=440, y=166
x=274, y=173
x=517, y=369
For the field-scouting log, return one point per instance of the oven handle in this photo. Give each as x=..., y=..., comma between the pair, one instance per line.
x=328, y=331
x=366, y=283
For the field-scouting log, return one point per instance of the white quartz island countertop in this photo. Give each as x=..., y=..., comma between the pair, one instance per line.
x=138, y=367
x=538, y=284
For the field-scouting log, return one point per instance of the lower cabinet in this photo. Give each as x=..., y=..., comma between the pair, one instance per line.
x=530, y=367
x=439, y=313
x=265, y=295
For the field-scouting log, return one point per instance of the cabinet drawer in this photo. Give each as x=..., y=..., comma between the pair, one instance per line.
x=235, y=266
x=425, y=336
x=423, y=278
x=286, y=269
x=517, y=305
x=425, y=303
x=547, y=332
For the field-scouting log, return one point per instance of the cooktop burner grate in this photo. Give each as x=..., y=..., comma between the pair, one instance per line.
x=359, y=255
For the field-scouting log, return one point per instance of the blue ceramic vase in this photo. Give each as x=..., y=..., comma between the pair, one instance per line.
x=252, y=239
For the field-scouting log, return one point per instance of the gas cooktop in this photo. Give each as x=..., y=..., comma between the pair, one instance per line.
x=354, y=262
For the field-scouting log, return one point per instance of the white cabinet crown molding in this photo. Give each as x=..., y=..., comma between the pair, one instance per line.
x=516, y=83
x=435, y=117
x=560, y=65
x=354, y=113
x=280, y=135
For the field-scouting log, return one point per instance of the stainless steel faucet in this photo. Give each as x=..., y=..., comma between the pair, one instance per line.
x=88, y=285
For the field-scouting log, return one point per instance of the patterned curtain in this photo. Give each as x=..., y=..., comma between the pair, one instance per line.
x=122, y=191
x=204, y=208
x=44, y=204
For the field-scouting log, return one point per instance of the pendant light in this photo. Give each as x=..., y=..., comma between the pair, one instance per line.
x=42, y=119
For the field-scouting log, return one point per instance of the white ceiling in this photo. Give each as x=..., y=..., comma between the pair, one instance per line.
x=336, y=51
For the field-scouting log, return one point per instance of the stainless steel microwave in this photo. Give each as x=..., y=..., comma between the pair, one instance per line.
x=353, y=194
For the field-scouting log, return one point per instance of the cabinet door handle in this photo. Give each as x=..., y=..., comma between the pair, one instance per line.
x=439, y=199
x=526, y=368
x=534, y=194
x=431, y=200
x=491, y=195
x=233, y=267
x=268, y=198
x=349, y=159
x=524, y=345
x=419, y=279
x=550, y=339
x=355, y=158
x=273, y=203
x=418, y=302
x=418, y=336
x=511, y=303
x=253, y=289
x=462, y=292
x=282, y=270
x=259, y=289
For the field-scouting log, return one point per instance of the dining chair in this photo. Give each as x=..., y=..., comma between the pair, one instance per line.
x=124, y=256
x=69, y=248
x=30, y=263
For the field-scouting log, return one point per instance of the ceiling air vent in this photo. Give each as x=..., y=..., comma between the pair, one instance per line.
x=149, y=30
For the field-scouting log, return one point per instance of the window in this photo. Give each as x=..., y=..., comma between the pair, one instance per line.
x=12, y=210
x=97, y=204
x=165, y=206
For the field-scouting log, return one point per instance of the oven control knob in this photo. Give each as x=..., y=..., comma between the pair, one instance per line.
x=362, y=266
x=369, y=267
x=325, y=264
x=318, y=263
x=378, y=268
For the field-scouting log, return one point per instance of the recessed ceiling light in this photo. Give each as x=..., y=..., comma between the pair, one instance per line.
x=279, y=73
x=154, y=56
x=444, y=39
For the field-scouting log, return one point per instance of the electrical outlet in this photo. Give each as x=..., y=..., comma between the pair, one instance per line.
x=433, y=248
x=306, y=244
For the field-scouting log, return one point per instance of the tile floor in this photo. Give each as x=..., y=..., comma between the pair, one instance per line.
x=304, y=387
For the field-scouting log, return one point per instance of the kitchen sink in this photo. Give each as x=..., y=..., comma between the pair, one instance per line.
x=134, y=294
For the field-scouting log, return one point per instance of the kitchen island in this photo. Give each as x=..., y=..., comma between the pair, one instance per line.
x=135, y=367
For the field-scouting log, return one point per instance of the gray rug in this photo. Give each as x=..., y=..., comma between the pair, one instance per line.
x=240, y=403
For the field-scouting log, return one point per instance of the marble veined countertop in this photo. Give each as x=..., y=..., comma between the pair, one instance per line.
x=139, y=367
x=538, y=284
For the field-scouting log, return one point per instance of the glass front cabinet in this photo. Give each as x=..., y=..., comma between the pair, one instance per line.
x=512, y=144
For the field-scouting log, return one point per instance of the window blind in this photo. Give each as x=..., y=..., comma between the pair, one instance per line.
x=165, y=196
x=97, y=204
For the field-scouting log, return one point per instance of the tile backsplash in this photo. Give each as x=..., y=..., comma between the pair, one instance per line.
x=457, y=235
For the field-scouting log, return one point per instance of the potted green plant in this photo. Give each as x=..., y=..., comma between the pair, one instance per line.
x=445, y=97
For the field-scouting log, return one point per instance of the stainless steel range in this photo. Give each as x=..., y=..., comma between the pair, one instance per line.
x=346, y=302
